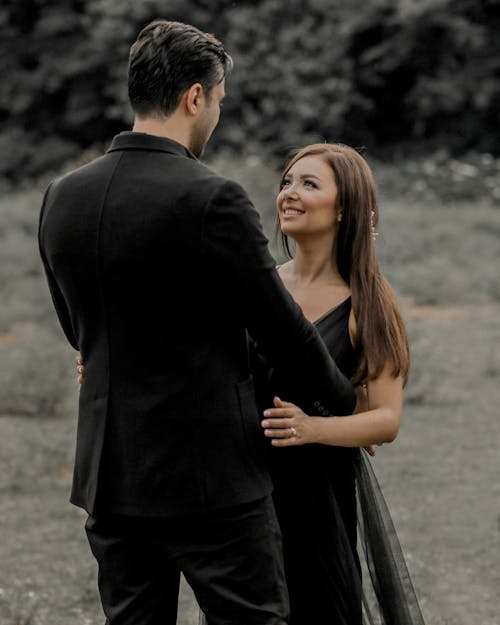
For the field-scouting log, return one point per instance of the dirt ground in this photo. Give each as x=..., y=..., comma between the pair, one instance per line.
x=441, y=479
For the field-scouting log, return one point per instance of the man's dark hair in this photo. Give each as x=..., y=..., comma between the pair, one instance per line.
x=166, y=59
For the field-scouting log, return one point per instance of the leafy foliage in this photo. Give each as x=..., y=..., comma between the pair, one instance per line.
x=383, y=73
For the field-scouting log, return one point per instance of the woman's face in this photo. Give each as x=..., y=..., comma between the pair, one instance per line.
x=307, y=200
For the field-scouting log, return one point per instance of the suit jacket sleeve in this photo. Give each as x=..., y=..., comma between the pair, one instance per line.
x=235, y=242
x=56, y=293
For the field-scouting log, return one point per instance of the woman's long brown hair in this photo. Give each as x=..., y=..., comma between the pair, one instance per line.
x=381, y=338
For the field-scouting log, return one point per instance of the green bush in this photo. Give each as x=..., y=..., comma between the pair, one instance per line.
x=384, y=74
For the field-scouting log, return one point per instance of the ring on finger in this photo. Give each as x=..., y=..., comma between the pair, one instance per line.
x=293, y=431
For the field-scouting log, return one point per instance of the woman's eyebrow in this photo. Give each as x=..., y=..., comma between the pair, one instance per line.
x=302, y=176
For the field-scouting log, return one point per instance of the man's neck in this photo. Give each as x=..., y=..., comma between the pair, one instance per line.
x=167, y=127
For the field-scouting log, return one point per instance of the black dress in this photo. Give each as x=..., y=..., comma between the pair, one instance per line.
x=343, y=561
x=323, y=494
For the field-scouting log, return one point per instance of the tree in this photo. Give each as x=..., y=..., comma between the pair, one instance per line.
x=380, y=73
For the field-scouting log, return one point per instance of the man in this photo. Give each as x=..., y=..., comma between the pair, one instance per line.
x=157, y=268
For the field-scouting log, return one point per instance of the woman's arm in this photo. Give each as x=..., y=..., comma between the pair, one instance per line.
x=287, y=425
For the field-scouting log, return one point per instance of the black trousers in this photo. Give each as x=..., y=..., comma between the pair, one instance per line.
x=231, y=558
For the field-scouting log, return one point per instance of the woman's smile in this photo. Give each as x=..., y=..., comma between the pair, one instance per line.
x=288, y=211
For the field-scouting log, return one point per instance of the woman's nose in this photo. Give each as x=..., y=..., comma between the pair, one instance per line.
x=290, y=191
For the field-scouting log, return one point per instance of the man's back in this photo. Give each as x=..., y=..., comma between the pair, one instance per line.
x=168, y=423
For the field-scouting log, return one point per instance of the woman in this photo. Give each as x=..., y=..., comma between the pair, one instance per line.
x=327, y=205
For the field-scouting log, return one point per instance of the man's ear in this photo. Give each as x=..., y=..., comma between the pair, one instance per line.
x=194, y=97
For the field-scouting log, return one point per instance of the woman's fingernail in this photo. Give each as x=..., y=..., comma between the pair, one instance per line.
x=264, y=424
x=267, y=413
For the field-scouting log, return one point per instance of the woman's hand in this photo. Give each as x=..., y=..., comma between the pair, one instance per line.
x=80, y=368
x=287, y=425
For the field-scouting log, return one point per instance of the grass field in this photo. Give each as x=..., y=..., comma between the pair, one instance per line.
x=441, y=477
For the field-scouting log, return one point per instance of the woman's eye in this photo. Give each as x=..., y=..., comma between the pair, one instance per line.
x=284, y=183
x=310, y=183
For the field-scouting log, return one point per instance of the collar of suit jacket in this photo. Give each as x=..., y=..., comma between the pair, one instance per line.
x=151, y=143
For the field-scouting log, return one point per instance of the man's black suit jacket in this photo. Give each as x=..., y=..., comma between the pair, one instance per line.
x=158, y=267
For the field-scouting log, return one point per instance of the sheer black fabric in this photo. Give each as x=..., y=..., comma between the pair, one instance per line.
x=343, y=561
x=388, y=594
